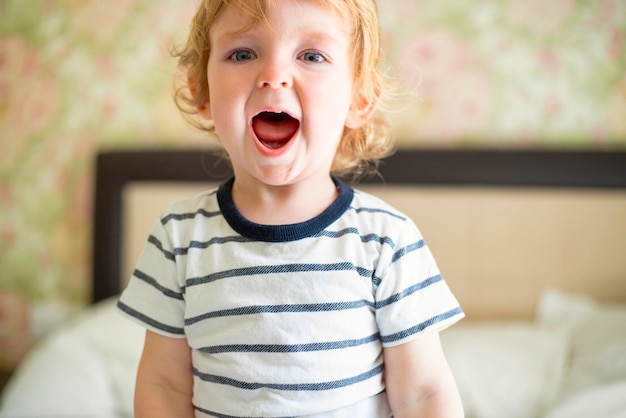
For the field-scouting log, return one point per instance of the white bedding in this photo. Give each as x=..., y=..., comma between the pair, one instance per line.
x=85, y=369
x=568, y=363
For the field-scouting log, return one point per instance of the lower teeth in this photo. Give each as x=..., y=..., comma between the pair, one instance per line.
x=273, y=145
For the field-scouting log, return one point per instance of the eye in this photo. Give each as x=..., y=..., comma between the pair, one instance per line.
x=242, y=55
x=312, y=56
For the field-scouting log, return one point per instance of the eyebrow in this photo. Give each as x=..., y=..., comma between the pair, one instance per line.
x=248, y=32
x=231, y=36
x=322, y=36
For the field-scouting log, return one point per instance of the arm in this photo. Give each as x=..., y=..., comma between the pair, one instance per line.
x=164, y=385
x=419, y=381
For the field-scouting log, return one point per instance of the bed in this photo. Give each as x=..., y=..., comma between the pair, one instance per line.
x=533, y=243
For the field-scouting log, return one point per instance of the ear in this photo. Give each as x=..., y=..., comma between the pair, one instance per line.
x=203, y=109
x=362, y=108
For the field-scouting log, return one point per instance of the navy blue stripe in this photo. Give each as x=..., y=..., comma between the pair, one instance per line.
x=364, y=238
x=218, y=415
x=408, y=249
x=289, y=308
x=155, y=241
x=315, y=307
x=184, y=216
x=335, y=384
x=194, y=244
x=151, y=281
x=206, y=244
x=278, y=269
x=375, y=210
x=408, y=291
x=376, y=281
x=420, y=327
x=240, y=239
x=293, y=348
x=379, y=239
x=149, y=321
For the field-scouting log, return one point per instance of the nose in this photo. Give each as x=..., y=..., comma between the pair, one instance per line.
x=275, y=74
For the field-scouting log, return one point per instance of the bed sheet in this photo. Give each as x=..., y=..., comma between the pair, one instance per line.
x=84, y=369
x=570, y=362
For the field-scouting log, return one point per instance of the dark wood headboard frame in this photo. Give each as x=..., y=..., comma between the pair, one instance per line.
x=499, y=168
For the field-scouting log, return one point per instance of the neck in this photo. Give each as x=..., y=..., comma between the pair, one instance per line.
x=285, y=204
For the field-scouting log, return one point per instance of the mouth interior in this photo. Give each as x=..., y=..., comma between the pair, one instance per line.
x=274, y=130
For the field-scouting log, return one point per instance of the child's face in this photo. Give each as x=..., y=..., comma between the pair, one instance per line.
x=280, y=95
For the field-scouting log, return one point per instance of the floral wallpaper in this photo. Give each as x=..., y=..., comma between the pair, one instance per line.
x=77, y=76
x=510, y=73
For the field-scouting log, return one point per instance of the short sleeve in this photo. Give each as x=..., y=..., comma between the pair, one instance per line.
x=155, y=296
x=412, y=297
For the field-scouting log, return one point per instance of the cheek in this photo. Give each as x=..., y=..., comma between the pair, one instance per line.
x=222, y=95
x=334, y=102
x=335, y=89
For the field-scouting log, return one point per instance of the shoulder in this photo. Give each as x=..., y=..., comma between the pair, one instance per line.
x=194, y=202
x=202, y=204
x=372, y=209
x=195, y=218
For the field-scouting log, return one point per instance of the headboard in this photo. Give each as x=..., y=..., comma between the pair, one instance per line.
x=502, y=224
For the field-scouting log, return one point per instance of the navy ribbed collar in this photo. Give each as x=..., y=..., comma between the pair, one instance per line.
x=282, y=233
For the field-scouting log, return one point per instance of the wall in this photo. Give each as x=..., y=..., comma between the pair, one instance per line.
x=81, y=75
x=510, y=73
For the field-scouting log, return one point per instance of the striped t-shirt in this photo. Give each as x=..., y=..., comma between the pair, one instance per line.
x=287, y=320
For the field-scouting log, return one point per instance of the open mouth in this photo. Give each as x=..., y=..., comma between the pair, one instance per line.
x=274, y=129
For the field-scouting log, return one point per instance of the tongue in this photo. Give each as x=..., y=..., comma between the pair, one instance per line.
x=274, y=133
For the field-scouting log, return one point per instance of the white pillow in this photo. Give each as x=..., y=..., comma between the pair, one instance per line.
x=505, y=369
x=597, y=334
x=85, y=369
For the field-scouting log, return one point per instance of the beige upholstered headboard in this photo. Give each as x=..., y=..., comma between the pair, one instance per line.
x=497, y=246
